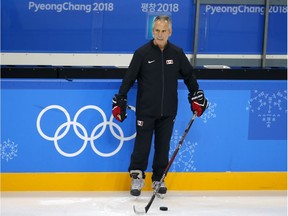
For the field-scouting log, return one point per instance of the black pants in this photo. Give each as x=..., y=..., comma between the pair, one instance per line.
x=162, y=129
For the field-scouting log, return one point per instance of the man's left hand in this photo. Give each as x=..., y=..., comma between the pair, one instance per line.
x=198, y=102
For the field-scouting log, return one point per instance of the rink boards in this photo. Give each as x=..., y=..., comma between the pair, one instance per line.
x=59, y=135
x=121, y=181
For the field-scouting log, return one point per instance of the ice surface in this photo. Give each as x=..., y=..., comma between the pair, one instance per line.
x=190, y=203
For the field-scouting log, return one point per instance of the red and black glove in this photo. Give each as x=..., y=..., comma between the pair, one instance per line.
x=119, y=105
x=198, y=102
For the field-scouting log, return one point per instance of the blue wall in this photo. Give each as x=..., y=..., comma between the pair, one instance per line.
x=117, y=26
x=244, y=128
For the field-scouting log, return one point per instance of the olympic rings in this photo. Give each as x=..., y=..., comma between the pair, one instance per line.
x=84, y=135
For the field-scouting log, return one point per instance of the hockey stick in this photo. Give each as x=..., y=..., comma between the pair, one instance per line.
x=167, y=168
x=131, y=108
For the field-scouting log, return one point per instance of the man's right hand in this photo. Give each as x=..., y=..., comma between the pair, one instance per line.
x=119, y=105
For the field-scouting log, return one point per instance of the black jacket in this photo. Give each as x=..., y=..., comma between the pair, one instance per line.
x=157, y=76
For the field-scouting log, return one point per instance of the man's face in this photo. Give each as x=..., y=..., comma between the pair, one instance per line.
x=161, y=33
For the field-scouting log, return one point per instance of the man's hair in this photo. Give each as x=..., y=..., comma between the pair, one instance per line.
x=164, y=18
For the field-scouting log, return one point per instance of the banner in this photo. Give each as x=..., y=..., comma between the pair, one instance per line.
x=95, y=26
x=67, y=126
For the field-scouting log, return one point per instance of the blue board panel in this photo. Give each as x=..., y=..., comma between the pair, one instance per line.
x=277, y=30
x=66, y=126
x=88, y=26
x=239, y=29
x=95, y=26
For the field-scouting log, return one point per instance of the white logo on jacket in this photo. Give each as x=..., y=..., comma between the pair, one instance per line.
x=140, y=123
x=169, y=61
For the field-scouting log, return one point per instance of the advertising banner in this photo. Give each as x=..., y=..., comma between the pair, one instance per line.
x=238, y=29
x=66, y=126
x=117, y=26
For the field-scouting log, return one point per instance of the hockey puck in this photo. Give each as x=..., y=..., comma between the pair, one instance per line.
x=164, y=208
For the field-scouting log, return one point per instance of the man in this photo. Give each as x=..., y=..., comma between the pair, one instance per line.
x=156, y=66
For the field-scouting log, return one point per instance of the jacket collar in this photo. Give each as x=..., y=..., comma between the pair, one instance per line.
x=156, y=47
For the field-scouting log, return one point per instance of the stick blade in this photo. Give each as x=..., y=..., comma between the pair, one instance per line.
x=138, y=212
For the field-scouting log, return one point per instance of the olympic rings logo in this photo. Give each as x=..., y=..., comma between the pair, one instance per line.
x=84, y=136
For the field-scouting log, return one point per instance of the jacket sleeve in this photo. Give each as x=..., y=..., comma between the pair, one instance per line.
x=131, y=74
x=187, y=73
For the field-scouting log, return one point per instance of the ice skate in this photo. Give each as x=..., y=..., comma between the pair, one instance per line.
x=162, y=189
x=137, y=182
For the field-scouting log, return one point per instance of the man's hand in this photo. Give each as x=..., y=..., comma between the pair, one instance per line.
x=198, y=102
x=119, y=105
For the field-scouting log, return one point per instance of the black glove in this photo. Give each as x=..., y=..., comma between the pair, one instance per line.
x=198, y=102
x=119, y=105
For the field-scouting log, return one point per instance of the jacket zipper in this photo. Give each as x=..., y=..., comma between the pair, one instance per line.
x=163, y=85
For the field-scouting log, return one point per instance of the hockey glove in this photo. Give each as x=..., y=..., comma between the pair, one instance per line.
x=198, y=102
x=119, y=105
